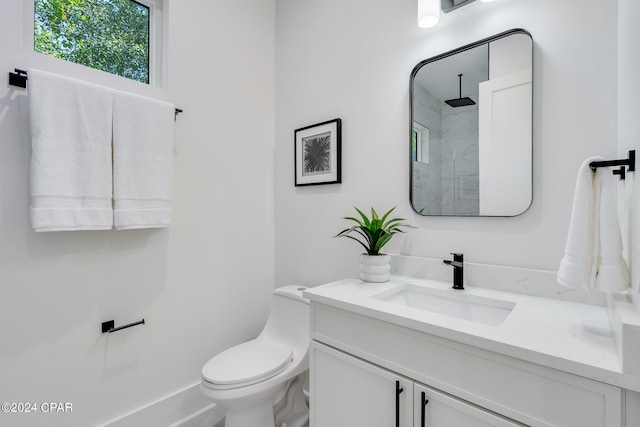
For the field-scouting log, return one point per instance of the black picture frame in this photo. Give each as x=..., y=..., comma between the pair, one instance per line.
x=317, y=153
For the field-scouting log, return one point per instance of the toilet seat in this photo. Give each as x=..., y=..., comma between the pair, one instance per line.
x=247, y=363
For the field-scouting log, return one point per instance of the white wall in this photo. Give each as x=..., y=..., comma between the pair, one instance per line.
x=202, y=285
x=353, y=59
x=629, y=129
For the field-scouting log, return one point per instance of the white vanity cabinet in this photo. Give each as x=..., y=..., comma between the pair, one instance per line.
x=356, y=361
x=435, y=409
x=350, y=392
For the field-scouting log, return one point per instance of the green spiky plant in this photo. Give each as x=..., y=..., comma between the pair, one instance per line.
x=373, y=232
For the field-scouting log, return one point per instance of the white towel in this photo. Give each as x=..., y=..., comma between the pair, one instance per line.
x=593, y=254
x=613, y=273
x=142, y=161
x=575, y=267
x=71, y=153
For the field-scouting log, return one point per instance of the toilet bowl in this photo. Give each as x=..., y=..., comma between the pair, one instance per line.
x=246, y=380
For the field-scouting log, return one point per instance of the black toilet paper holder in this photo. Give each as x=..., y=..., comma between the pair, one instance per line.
x=109, y=326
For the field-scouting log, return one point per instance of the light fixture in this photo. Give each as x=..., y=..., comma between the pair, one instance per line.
x=429, y=10
x=451, y=5
x=428, y=13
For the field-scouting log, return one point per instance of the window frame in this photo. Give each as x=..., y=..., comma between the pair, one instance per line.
x=156, y=31
x=422, y=143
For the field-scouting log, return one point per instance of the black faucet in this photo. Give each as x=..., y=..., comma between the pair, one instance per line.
x=458, y=270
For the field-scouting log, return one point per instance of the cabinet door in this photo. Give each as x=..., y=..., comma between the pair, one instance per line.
x=348, y=392
x=435, y=409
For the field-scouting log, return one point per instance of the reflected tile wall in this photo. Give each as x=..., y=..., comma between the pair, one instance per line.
x=427, y=195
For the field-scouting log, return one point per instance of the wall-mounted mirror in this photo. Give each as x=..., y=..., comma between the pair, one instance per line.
x=471, y=129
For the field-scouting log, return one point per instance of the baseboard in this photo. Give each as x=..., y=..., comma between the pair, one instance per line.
x=175, y=410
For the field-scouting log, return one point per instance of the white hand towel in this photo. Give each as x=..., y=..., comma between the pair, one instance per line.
x=142, y=161
x=576, y=267
x=613, y=273
x=70, y=179
x=593, y=254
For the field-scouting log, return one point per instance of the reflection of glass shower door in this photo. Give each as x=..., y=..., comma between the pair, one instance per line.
x=465, y=148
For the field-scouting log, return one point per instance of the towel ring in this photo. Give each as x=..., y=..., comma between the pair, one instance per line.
x=629, y=162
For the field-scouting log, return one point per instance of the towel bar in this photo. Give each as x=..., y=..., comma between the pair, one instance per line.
x=629, y=162
x=19, y=78
x=108, y=326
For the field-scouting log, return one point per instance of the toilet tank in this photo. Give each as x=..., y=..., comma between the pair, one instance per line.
x=289, y=317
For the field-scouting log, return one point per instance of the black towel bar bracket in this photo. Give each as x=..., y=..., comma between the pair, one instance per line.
x=109, y=326
x=19, y=78
x=629, y=162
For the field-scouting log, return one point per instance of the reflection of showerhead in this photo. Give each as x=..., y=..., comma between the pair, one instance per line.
x=460, y=102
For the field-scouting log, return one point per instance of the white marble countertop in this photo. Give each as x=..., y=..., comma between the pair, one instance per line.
x=538, y=330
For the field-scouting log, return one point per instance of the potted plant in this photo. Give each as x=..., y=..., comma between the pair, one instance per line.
x=373, y=233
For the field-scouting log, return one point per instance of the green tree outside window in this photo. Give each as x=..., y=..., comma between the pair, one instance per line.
x=109, y=35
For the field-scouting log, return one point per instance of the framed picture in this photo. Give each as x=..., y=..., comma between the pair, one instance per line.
x=317, y=153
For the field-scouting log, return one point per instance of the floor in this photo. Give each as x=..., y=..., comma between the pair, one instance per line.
x=211, y=418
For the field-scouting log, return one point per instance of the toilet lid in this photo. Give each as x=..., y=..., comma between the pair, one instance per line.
x=247, y=363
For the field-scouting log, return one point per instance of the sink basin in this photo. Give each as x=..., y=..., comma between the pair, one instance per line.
x=474, y=308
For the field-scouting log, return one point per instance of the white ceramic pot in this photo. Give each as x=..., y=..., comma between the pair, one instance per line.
x=375, y=268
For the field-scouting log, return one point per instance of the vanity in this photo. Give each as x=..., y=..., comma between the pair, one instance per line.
x=414, y=352
x=511, y=348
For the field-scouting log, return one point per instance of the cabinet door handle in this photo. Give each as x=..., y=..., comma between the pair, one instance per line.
x=398, y=391
x=423, y=409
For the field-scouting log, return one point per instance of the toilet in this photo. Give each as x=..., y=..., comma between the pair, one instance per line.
x=248, y=379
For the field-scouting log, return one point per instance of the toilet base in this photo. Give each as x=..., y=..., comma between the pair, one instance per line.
x=246, y=408
x=257, y=416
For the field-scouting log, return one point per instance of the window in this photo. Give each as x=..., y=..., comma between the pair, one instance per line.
x=420, y=143
x=115, y=36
